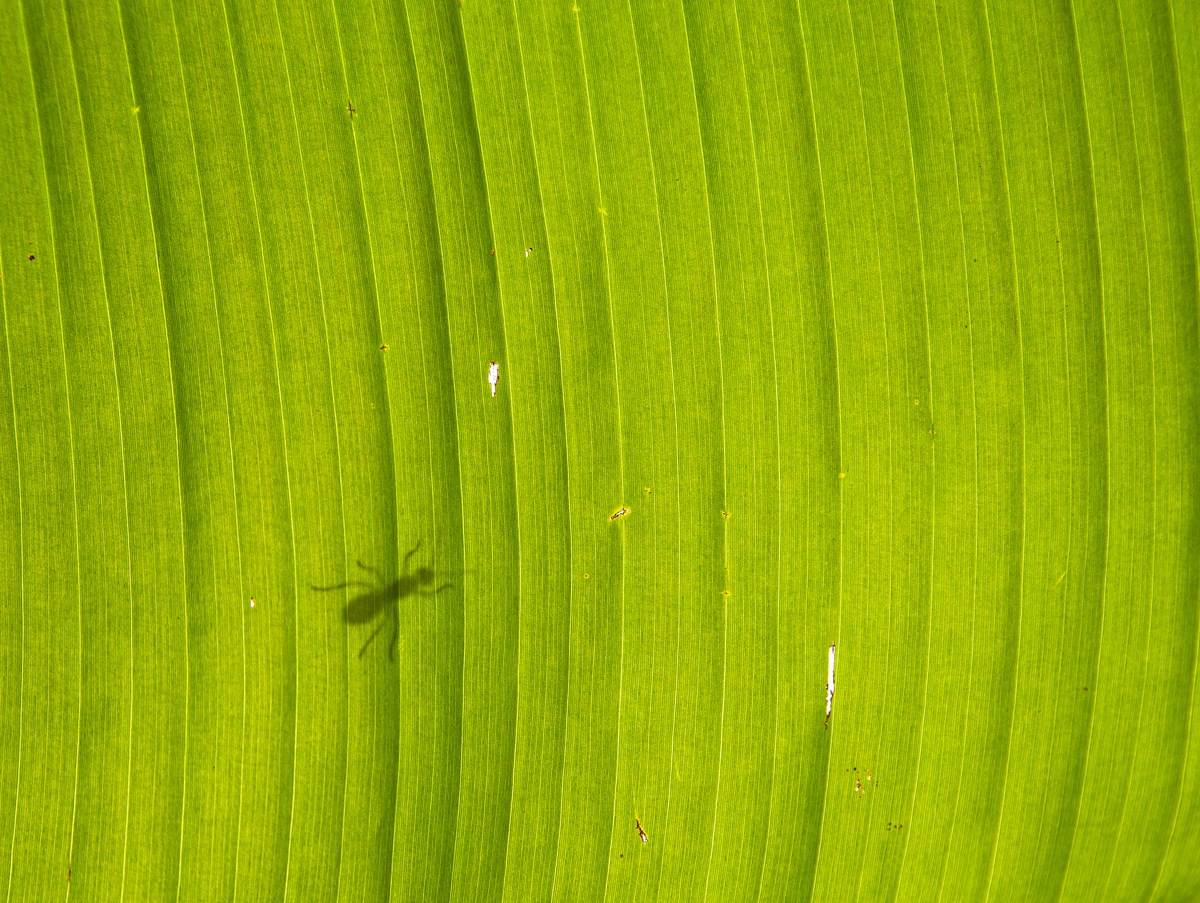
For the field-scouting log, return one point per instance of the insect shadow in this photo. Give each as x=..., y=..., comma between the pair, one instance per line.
x=380, y=597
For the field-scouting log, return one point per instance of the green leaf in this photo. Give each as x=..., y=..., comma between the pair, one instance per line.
x=877, y=320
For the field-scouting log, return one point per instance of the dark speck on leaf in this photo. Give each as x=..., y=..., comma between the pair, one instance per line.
x=31, y=257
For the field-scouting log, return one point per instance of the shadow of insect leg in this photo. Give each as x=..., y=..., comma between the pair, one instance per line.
x=370, y=570
x=395, y=618
x=374, y=634
x=411, y=553
x=348, y=583
x=434, y=592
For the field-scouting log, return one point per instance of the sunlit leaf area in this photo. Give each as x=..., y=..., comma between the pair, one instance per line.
x=573, y=450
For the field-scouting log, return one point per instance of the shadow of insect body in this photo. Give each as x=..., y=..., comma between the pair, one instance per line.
x=369, y=605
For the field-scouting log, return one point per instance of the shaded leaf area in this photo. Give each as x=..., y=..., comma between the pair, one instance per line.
x=879, y=319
